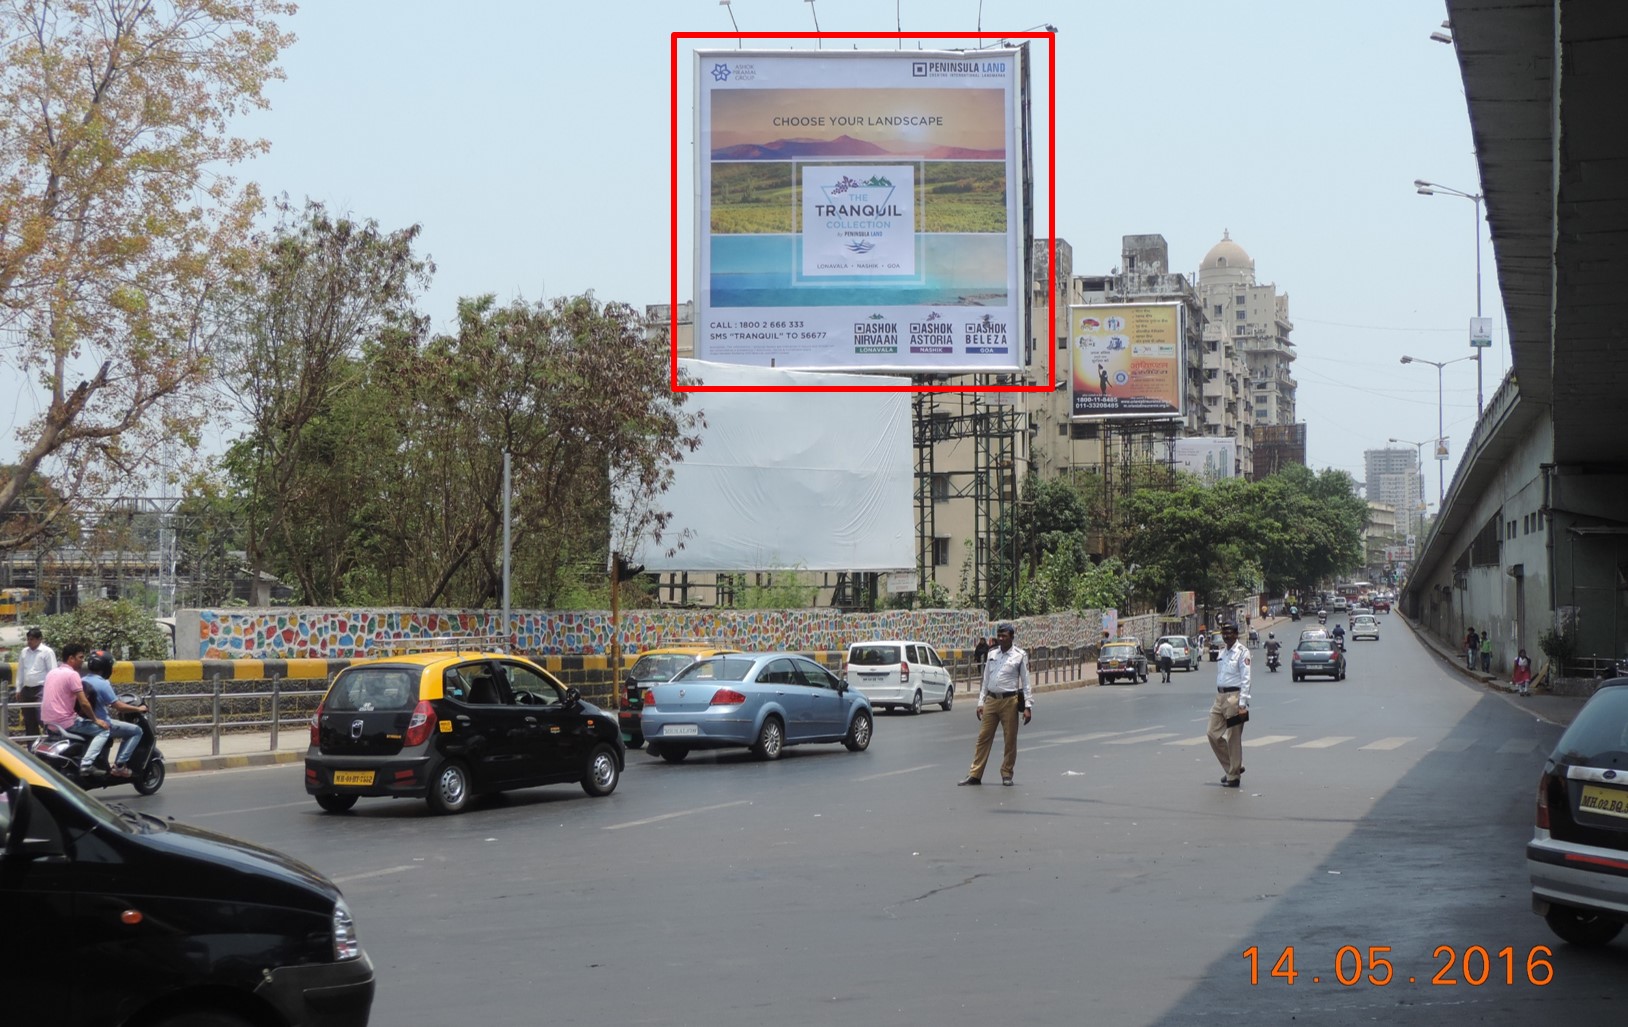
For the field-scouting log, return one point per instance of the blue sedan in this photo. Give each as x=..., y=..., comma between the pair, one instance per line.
x=760, y=701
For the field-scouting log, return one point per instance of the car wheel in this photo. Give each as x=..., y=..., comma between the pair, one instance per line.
x=1581, y=928
x=673, y=753
x=1144, y=675
x=151, y=779
x=771, y=738
x=859, y=733
x=1341, y=675
x=332, y=803
x=599, y=777
x=949, y=699
x=449, y=788
x=915, y=703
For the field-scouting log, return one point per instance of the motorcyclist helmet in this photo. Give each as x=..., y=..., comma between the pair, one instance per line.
x=100, y=663
x=1270, y=634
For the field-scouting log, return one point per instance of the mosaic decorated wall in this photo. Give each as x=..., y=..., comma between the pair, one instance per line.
x=305, y=632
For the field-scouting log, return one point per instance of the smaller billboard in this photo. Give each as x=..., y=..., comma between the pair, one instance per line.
x=1209, y=459
x=1126, y=360
x=1397, y=554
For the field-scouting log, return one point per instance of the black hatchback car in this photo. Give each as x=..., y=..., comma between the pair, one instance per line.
x=448, y=726
x=1578, y=855
x=110, y=916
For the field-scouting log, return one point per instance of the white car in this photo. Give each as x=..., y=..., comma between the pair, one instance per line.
x=1364, y=626
x=899, y=674
x=1182, y=657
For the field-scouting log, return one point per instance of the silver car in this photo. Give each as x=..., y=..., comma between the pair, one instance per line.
x=1578, y=855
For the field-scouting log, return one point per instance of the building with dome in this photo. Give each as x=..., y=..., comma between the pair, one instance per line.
x=1254, y=319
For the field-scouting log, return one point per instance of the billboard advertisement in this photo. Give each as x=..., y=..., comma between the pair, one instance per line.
x=1210, y=459
x=1126, y=360
x=862, y=210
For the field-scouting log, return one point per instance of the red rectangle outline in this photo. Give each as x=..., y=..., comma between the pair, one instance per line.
x=1051, y=214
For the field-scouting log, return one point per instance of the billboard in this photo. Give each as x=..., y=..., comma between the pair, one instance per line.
x=791, y=479
x=1126, y=360
x=862, y=210
x=1210, y=459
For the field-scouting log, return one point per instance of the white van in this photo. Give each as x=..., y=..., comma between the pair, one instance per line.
x=899, y=674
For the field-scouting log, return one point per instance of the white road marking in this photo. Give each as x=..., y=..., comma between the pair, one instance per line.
x=1200, y=740
x=1518, y=745
x=895, y=773
x=1324, y=743
x=1255, y=743
x=1140, y=738
x=679, y=813
x=1395, y=742
x=246, y=809
x=387, y=871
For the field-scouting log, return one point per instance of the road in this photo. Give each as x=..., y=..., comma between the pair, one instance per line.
x=1116, y=883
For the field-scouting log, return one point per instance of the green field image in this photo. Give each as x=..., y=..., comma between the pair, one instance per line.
x=761, y=197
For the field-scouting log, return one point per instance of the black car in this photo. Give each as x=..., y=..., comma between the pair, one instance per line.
x=1121, y=659
x=112, y=917
x=1578, y=855
x=448, y=726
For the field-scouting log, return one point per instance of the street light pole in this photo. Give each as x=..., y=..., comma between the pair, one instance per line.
x=1432, y=189
x=1441, y=485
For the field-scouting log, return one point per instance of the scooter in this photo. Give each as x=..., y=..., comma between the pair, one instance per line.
x=62, y=752
x=1272, y=663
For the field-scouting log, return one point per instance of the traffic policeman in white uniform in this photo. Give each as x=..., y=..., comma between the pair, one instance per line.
x=1231, y=704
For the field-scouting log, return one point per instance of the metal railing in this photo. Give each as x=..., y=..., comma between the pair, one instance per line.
x=186, y=710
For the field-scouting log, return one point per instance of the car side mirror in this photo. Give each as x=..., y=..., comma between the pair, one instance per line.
x=573, y=698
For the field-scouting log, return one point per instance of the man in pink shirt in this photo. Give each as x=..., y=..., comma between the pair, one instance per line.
x=64, y=703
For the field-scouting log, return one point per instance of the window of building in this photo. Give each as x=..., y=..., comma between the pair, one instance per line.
x=1218, y=310
x=1242, y=299
x=1240, y=314
x=1062, y=342
x=941, y=551
x=1062, y=429
x=940, y=487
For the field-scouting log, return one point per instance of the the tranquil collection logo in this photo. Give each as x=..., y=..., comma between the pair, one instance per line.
x=859, y=221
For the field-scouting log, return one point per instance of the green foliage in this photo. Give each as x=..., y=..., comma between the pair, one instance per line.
x=120, y=626
x=1558, y=646
x=774, y=590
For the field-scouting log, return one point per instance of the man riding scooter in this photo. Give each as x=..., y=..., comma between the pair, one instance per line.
x=1339, y=636
x=1272, y=646
x=104, y=703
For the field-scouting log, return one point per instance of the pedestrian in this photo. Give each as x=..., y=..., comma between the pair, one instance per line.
x=980, y=653
x=35, y=661
x=1522, y=677
x=1231, y=707
x=1472, y=643
x=1486, y=652
x=1005, y=694
x=1166, y=654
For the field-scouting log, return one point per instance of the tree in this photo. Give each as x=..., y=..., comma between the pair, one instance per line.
x=121, y=627
x=115, y=219
x=302, y=325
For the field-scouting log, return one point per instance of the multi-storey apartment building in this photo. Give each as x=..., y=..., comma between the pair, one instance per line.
x=1255, y=317
x=1392, y=476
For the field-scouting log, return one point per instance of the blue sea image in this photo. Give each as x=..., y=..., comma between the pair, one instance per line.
x=761, y=271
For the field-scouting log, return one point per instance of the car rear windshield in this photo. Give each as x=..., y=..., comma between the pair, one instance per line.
x=723, y=668
x=1315, y=645
x=660, y=666
x=369, y=689
x=1120, y=648
x=1599, y=735
x=873, y=655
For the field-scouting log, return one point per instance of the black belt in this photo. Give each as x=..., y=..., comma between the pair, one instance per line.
x=1007, y=695
x=1220, y=689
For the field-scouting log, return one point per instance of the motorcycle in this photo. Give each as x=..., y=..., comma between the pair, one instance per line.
x=1272, y=663
x=62, y=752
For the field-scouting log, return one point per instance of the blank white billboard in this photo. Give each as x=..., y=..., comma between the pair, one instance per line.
x=819, y=481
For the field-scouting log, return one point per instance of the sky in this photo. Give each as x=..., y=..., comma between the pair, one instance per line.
x=529, y=140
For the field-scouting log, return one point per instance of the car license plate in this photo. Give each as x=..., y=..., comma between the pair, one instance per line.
x=680, y=729
x=353, y=777
x=1613, y=802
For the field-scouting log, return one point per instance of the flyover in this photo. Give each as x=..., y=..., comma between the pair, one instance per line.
x=1533, y=534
